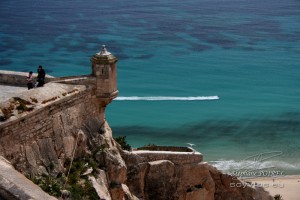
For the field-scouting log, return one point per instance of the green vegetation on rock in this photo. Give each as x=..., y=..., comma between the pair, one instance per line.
x=278, y=197
x=122, y=141
x=77, y=183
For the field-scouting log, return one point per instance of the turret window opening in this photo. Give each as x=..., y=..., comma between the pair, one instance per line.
x=104, y=72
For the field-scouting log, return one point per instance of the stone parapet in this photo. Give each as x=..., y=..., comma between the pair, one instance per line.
x=75, y=80
x=173, y=156
x=17, y=78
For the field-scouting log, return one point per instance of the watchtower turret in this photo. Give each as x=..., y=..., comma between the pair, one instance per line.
x=104, y=68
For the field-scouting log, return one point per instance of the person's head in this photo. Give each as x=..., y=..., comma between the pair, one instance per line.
x=40, y=67
x=30, y=73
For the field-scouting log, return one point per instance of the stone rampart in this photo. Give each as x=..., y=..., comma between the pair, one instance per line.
x=47, y=132
x=20, y=79
x=17, y=78
x=75, y=80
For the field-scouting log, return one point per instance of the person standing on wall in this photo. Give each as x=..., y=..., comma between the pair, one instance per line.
x=30, y=80
x=40, y=77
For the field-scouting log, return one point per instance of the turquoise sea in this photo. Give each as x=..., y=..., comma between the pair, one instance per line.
x=247, y=53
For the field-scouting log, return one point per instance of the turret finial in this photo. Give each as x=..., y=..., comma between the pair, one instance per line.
x=104, y=51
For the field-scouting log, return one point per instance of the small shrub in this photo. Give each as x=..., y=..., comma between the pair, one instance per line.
x=278, y=197
x=122, y=141
x=83, y=190
x=48, y=184
x=152, y=147
x=75, y=90
x=100, y=148
x=34, y=100
x=90, y=191
x=78, y=167
x=76, y=191
x=22, y=101
x=8, y=112
x=80, y=187
x=73, y=178
x=48, y=100
x=22, y=107
x=93, y=164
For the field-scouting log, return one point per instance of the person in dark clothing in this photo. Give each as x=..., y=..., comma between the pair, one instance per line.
x=30, y=80
x=40, y=77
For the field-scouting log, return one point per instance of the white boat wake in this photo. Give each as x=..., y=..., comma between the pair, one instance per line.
x=167, y=98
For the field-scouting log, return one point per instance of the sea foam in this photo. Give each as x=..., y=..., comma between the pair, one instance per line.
x=229, y=165
x=167, y=98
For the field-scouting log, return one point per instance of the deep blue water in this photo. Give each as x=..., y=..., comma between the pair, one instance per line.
x=245, y=52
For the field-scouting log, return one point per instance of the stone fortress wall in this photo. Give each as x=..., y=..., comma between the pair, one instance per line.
x=43, y=127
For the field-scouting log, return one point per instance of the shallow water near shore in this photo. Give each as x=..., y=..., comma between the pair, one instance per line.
x=246, y=53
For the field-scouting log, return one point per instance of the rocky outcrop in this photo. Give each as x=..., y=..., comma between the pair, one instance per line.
x=167, y=180
x=163, y=180
x=15, y=186
x=115, y=168
x=101, y=185
x=226, y=188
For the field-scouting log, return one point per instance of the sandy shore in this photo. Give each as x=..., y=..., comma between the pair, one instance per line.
x=287, y=186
